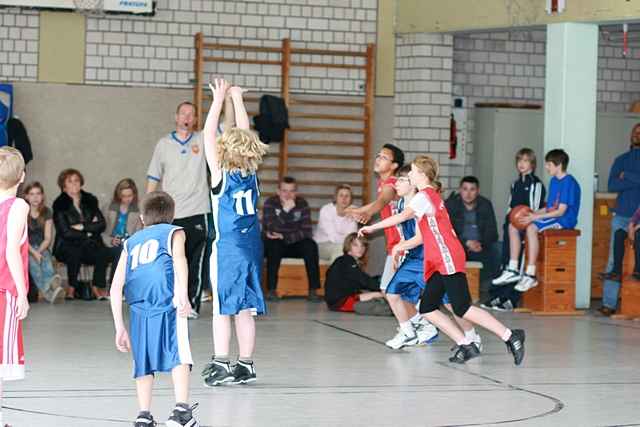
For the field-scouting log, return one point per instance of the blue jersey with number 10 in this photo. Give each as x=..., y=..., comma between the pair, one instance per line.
x=236, y=256
x=149, y=277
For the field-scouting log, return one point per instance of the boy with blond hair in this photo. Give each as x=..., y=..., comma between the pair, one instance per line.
x=237, y=251
x=14, y=265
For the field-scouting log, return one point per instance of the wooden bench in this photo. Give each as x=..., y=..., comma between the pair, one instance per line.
x=556, y=272
x=292, y=278
x=602, y=215
x=630, y=288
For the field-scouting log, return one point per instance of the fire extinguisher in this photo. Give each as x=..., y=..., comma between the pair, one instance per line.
x=453, y=138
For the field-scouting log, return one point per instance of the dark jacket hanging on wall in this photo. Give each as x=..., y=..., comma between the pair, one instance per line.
x=18, y=138
x=272, y=120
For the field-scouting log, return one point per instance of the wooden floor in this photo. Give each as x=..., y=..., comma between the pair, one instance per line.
x=318, y=368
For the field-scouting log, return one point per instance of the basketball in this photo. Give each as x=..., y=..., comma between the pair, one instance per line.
x=518, y=212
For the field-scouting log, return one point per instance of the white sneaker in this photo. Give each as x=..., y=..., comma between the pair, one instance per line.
x=401, y=340
x=56, y=282
x=426, y=332
x=527, y=282
x=193, y=314
x=507, y=276
x=477, y=341
x=57, y=295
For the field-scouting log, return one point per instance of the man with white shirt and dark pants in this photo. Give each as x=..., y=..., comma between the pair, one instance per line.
x=178, y=162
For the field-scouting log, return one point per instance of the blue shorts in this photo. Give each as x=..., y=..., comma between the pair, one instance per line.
x=408, y=281
x=549, y=224
x=236, y=276
x=159, y=342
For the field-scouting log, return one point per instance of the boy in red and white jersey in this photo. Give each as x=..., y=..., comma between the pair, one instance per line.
x=14, y=267
x=388, y=160
x=444, y=266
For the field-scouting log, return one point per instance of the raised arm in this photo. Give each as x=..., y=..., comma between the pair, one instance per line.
x=241, y=116
x=229, y=114
x=218, y=90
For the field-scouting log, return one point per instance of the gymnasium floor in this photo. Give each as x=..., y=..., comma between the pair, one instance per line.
x=318, y=368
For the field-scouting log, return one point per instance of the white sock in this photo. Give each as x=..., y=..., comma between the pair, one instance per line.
x=464, y=341
x=416, y=318
x=531, y=270
x=506, y=335
x=470, y=334
x=407, y=328
x=513, y=265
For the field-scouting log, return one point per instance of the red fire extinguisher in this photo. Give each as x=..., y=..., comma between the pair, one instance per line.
x=453, y=138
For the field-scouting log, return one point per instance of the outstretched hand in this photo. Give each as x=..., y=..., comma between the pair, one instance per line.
x=363, y=231
x=219, y=89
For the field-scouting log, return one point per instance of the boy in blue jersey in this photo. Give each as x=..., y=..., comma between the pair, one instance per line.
x=153, y=272
x=236, y=252
x=561, y=212
x=406, y=285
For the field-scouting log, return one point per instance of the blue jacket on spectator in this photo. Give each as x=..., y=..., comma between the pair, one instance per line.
x=627, y=187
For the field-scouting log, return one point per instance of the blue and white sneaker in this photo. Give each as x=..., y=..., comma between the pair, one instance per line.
x=427, y=333
x=402, y=340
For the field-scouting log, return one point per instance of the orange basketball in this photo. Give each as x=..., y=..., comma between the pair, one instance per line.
x=518, y=212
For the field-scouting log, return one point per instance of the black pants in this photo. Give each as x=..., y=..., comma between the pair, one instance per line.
x=195, y=229
x=618, y=250
x=456, y=288
x=75, y=255
x=307, y=249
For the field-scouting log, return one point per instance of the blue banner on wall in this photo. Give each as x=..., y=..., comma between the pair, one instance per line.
x=6, y=111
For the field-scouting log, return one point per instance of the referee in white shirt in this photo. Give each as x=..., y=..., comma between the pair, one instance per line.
x=178, y=163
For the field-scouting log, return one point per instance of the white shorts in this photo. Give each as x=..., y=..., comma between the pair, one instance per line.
x=387, y=273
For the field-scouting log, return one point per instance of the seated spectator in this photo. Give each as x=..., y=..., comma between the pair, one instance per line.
x=526, y=190
x=475, y=224
x=633, y=233
x=334, y=224
x=287, y=234
x=561, y=212
x=40, y=232
x=346, y=284
x=79, y=225
x=123, y=217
